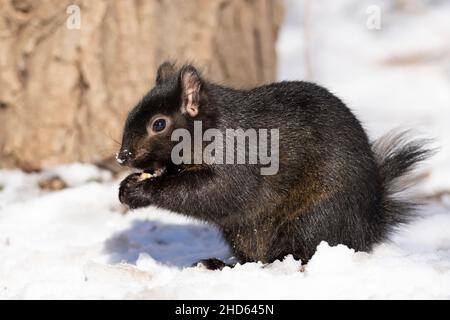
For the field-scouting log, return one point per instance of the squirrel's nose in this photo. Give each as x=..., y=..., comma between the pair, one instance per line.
x=123, y=156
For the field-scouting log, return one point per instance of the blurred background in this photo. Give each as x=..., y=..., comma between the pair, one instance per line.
x=388, y=60
x=71, y=70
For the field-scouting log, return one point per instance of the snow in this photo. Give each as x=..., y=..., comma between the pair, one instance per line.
x=80, y=243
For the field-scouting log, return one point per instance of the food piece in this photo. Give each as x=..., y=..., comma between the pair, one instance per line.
x=145, y=176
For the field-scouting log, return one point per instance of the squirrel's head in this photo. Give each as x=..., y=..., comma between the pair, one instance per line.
x=178, y=99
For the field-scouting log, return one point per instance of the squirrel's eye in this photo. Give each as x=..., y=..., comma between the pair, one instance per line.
x=159, y=125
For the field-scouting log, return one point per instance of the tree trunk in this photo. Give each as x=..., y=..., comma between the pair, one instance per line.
x=64, y=91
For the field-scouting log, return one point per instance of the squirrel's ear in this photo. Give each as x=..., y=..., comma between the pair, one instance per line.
x=165, y=71
x=191, y=84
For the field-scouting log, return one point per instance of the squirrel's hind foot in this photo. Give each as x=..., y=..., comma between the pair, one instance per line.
x=212, y=264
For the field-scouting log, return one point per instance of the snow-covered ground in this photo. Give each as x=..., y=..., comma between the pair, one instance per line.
x=79, y=243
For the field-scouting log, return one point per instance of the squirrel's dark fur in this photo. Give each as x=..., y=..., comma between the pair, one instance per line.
x=332, y=184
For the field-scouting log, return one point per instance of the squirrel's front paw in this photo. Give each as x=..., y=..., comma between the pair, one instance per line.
x=132, y=193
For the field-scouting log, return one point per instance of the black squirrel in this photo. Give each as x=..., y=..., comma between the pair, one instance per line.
x=332, y=184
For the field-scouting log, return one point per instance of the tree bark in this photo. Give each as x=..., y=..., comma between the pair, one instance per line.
x=64, y=93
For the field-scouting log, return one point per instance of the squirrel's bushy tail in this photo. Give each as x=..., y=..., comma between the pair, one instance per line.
x=397, y=155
